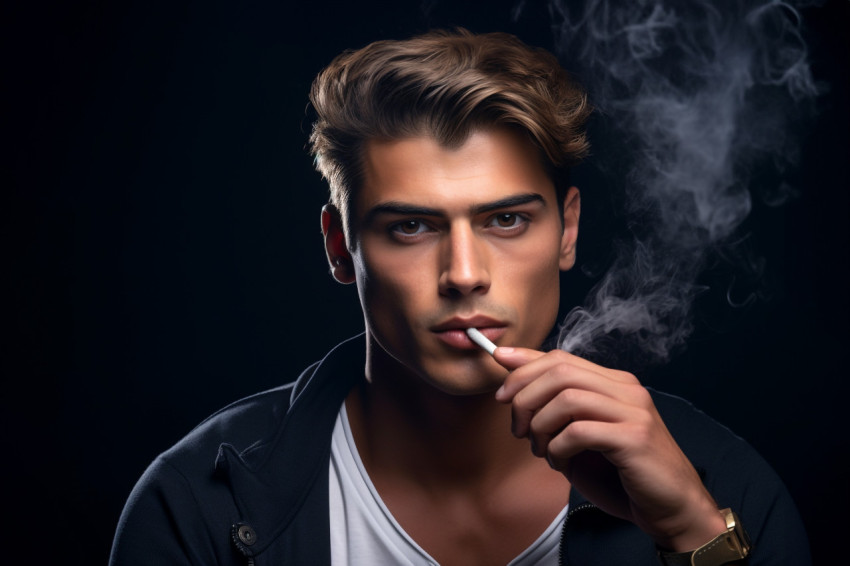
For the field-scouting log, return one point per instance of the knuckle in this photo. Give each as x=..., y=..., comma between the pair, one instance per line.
x=562, y=360
x=569, y=396
x=628, y=377
x=534, y=426
x=641, y=395
x=541, y=427
x=521, y=402
x=575, y=430
x=556, y=372
x=559, y=354
x=557, y=451
x=641, y=429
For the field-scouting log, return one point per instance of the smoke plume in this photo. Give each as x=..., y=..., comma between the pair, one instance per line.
x=698, y=94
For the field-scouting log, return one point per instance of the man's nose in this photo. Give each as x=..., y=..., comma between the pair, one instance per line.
x=464, y=261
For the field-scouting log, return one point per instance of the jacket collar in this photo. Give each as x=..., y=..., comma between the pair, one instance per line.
x=271, y=479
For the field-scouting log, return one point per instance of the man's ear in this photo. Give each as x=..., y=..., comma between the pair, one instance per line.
x=339, y=258
x=572, y=210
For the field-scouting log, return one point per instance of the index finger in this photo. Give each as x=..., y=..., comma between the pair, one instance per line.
x=512, y=358
x=515, y=359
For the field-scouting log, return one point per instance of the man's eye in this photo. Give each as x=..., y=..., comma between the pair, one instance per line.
x=507, y=220
x=409, y=227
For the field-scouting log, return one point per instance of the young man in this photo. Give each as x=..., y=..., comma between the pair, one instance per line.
x=446, y=156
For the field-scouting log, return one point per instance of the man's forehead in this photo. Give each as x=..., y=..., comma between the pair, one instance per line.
x=490, y=166
x=480, y=144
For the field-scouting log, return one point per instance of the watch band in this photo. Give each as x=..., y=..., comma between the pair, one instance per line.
x=729, y=546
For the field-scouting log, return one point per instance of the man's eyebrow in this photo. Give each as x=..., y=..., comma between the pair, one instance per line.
x=404, y=209
x=398, y=208
x=515, y=200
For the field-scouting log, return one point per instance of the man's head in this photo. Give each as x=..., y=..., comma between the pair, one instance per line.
x=444, y=154
x=444, y=85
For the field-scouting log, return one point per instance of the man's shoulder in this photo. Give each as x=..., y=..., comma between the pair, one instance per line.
x=245, y=425
x=683, y=417
x=700, y=436
x=248, y=426
x=182, y=485
x=242, y=424
x=726, y=462
x=243, y=421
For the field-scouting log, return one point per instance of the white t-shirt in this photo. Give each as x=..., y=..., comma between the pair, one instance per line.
x=364, y=532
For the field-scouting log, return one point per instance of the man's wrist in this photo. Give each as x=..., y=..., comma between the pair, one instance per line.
x=728, y=547
x=704, y=524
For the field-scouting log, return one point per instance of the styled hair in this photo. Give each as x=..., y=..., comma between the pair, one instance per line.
x=445, y=85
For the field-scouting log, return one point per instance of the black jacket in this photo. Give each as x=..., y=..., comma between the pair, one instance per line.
x=249, y=485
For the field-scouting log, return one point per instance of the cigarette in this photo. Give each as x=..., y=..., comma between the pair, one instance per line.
x=476, y=336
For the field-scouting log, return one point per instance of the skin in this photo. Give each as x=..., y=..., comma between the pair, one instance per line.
x=447, y=235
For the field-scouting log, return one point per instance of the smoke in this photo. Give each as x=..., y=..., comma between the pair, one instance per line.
x=697, y=95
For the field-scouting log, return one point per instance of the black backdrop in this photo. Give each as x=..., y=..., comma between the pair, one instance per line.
x=162, y=253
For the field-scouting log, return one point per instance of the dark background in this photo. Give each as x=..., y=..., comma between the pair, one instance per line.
x=162, y=254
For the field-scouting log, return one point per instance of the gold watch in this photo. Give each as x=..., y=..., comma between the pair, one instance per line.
x=729, y=546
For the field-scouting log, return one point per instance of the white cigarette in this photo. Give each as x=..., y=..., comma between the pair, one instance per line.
x=476, y=336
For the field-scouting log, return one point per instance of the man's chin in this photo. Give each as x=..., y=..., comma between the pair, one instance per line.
x=466, y=378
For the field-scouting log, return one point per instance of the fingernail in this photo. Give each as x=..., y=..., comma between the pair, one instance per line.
x=500, y=394
x=506, y=350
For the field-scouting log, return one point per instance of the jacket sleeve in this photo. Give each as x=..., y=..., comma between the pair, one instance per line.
x=752, y=488
x=162, y=524
x=738, y=477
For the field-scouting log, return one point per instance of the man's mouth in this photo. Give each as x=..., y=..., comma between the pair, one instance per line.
x=453, y=331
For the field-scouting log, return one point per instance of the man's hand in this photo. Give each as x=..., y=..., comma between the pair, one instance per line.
x=600, y=428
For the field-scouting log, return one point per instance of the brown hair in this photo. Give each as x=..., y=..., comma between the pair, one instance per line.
x=445, y=85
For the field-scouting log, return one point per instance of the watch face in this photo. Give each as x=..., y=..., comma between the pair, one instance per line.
x=743, y=537
x=736, y=529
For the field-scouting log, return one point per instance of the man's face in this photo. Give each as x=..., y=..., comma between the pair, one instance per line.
x=453, y=238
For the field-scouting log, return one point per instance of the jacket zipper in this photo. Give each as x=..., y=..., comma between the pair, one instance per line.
x=563, y=540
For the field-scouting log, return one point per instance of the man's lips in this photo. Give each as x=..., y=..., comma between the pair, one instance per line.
x=462, y=323
x=453, y=331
